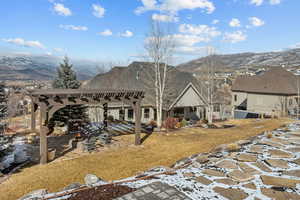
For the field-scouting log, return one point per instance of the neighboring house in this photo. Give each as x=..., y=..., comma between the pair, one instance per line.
x=273, y=93
x=184, y=95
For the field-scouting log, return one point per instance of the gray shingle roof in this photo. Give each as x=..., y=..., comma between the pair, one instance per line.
x=140, y=76
x=275, y=81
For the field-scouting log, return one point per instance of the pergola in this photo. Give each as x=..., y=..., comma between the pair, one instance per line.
x=52, y=100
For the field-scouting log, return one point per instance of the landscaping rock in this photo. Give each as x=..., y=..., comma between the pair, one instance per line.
x=295, y=173
x=294, y=150
x=297, y=161
x=262, y=166
x=272, y=144
x=245, y=157
x=279, y=182
x=250, y=186
x=92, y=179
x=281, y=141
x=249, y=170
x=203, y=180
x=243, y=142
x=212, y=172
x=279, y=154
x=226, y=181
x=232, y=194
x=240, y=176
x=36, y=194
x=277, y=163
x=202, y=159
x=256, y=149
x=227, y=164
x=72, y=186
x=188, y=175
x=278, y=195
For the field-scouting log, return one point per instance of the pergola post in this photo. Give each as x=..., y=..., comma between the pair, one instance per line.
x=137, y=112
x=33, y=115
x=43, y=136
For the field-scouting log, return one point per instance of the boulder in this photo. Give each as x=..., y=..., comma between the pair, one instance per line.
x=240, y=176
x=231, y=194
x=294, y=150
x=279, y=182
x=92, y=179
x=250, y=186
x=297, y=161
x=256, y=149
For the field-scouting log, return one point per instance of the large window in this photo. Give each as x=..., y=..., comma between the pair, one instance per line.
x=146, y=113
x=130, y=114
x=216, y=108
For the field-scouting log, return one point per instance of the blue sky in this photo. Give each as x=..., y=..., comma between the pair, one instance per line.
x=116, y=29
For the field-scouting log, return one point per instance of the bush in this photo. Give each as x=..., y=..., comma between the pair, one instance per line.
x=170, y=123
x=233, y=147
x=183, y=123
x=153, y=123
x=110, y=118
x=269, y=135
x=178, y=125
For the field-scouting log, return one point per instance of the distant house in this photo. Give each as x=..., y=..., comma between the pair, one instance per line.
x=273, y=92
x=184, y=95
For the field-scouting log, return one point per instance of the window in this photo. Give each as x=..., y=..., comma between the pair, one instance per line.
x=217, y=108
x=235, y=97
x=290, y=102
x=130, y=114
x=146, y=113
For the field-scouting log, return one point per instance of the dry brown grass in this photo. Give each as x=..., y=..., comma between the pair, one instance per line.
x=158, y=149
x=233, y=147
x=269, y=135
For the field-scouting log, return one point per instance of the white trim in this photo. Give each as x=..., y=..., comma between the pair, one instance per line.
x=183, y=92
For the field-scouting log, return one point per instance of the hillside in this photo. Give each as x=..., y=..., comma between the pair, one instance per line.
x=288, y=58
x=24, y=67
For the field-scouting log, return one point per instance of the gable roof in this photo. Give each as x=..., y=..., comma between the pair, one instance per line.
x=140, y=76
x=275, y=81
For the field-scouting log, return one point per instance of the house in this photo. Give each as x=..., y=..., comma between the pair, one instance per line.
x=274, y=92
x=184, y=95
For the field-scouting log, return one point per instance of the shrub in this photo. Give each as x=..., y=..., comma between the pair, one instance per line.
x=233, y=147
x=178, y=125
x=183, y=123
x=269, y=135
x=170, y=123
x=153, y=123
x=110, y=118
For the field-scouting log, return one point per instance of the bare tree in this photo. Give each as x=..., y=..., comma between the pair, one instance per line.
x=159, y=48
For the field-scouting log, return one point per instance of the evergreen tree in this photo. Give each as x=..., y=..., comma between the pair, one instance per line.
x=66, y=79
x=3, y=107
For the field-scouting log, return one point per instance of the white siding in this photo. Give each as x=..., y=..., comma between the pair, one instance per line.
x=189, y=99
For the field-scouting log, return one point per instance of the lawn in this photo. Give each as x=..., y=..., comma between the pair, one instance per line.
x=121, y=162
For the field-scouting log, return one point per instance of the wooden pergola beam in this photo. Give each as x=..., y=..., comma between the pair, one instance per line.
x=50, y=101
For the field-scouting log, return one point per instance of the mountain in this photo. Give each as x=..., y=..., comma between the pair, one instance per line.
x=289, y=58
x=34, y=67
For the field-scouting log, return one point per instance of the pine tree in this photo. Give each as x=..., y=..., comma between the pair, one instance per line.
x=66, y=79
x=3, y=107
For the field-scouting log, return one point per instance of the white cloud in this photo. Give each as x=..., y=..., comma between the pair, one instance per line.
x=174, y=6
x=106, y=32
x=203, y=31
x=235, y=37
x=215, y=21
x=256, y=2
x=235, y=22
x=73, y=27
x=164, y=18
x=60, y=9
x=22, y=42
x=274, y=2
x=98, y=10
x=256, y=21
x=127, y=34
